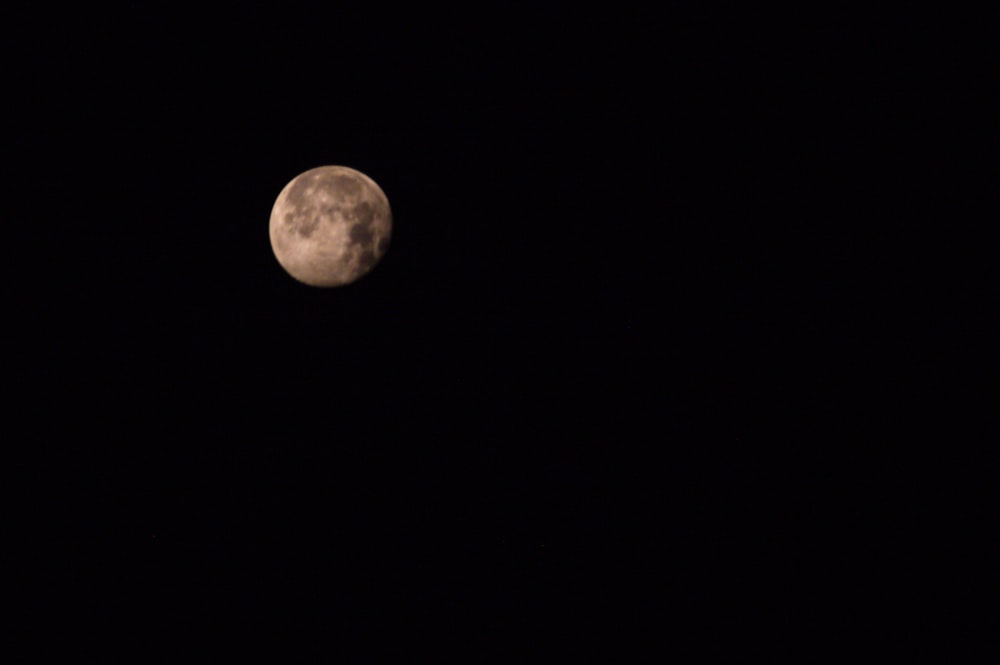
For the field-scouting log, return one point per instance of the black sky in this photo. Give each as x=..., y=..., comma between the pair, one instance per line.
x=615, y=371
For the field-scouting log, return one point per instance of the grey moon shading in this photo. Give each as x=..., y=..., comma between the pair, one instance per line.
x=330, y=226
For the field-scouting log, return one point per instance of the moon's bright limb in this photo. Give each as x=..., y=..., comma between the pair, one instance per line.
x=330, y=225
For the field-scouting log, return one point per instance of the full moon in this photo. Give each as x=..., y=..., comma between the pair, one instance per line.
x=330, y=225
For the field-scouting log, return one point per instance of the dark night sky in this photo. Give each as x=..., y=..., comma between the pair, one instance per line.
x=619, y=368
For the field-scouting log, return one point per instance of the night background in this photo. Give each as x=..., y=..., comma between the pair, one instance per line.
x=621, y=378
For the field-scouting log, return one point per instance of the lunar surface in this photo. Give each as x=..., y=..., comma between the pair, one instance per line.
x=330, y=226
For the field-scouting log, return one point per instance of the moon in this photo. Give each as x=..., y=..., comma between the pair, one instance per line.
x=330, y=226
